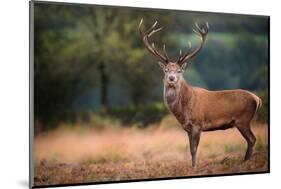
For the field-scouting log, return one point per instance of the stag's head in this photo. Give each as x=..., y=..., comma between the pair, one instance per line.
x=173, y=70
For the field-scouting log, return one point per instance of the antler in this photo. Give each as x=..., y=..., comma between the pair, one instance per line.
x=203, y=34
x=151, y=47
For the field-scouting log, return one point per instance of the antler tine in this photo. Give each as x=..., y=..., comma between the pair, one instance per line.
x=180, y=57
x=197, y=26
x=188, y=51
x=202, y=32
x=154, y=31
x=159, y=54
x=141, y=21
x=165, y=52
x=151, y=47
x=152, y=27
x=196, y=31
x=140, y=30
x=189, y=45
x=151, y=30
x=206, y=29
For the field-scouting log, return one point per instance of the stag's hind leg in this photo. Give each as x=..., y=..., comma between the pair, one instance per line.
x=249, y=136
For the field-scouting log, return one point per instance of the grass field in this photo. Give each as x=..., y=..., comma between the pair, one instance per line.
x=87, y=155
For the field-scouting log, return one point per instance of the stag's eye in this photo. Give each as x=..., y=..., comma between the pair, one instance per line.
x=179, y=70
x=166, y=70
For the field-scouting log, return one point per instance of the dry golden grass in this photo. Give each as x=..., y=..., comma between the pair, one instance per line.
x=85, y=155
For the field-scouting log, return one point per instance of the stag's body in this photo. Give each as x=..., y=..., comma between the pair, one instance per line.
x=198, y=109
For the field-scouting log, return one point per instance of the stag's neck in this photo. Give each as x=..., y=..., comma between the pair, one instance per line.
x=178, y=98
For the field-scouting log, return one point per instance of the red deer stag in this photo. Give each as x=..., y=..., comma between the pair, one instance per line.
x=198, y=109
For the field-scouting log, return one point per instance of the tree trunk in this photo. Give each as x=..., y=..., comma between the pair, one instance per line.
x=104, y=85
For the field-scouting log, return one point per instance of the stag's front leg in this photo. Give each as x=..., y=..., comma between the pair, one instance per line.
x=194, y=138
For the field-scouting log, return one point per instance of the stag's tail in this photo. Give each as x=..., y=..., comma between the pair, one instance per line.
x=258, y=101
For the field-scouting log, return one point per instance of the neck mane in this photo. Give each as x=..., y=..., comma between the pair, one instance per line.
x=177, y=97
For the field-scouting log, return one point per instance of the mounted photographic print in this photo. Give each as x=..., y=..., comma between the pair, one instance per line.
x=120, y=94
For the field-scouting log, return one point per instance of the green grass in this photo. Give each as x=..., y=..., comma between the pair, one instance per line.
x=229, y=148
x=260, y=145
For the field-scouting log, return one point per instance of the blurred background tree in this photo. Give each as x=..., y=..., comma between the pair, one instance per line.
x=90, y=59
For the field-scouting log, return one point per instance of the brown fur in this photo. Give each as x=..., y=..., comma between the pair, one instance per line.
x=198, y=110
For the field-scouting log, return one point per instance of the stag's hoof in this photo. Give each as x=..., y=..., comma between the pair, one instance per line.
x=193, y=167
x=246, y=159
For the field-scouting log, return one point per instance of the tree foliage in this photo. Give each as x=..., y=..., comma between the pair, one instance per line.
x=89, y=58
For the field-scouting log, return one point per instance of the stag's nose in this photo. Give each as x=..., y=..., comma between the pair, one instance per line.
x=172, y=78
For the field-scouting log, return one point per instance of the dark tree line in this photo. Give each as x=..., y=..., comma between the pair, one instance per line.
x=97, y=50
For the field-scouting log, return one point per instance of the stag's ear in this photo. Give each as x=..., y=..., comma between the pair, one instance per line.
x=162, y=65
x=184, y=66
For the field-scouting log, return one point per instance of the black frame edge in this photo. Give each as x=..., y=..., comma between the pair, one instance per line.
x=31, y=95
